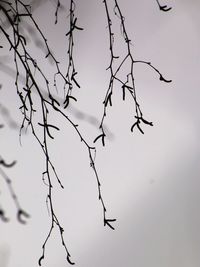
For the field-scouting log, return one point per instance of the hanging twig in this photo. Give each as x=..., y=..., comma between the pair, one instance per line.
x=22, y=215
x=71, y=70
x=24, y=61
x=164, y=8
x=127, y=84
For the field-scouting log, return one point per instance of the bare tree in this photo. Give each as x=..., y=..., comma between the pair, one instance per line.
x=39, y=102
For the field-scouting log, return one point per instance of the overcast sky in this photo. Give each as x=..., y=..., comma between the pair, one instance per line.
x=150, y=182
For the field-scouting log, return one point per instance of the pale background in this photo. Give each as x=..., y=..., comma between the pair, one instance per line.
x=150, y=182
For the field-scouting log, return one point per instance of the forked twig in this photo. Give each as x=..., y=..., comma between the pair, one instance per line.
x=25, y=62
x=127, y=84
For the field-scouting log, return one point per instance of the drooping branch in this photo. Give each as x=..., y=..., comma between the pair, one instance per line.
x=108, y=97
x=27, y=110
x=22, y=215
x=128, y=83
x=71, y=70
x=26, y=64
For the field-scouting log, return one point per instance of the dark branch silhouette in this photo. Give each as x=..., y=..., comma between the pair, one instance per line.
x=164, y=8
x=128, y=83
x=26, y=64
x=22, y=215
x=71, y=70
x=36, y=99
